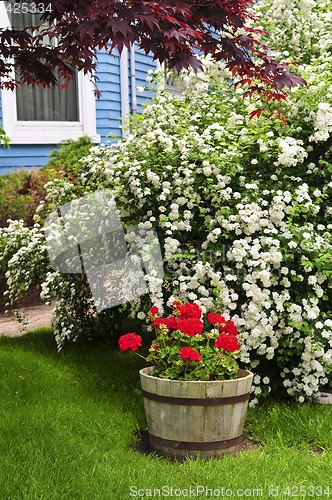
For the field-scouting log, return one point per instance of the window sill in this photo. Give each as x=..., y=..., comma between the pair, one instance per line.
x=48, y=132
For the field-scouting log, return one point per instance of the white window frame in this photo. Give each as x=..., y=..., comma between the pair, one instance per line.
x=168, y=84
x=49, y=132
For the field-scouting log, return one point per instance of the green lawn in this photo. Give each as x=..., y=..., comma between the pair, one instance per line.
x=67, y=431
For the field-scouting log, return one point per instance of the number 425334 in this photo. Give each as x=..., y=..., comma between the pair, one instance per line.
x=28, y=7
x=307, y=491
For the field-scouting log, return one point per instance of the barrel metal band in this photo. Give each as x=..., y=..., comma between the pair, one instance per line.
x=197, y=401
x=192, y=445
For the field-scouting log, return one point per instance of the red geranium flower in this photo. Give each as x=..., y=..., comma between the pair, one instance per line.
x=228, y=327
x=215, y=318
x=190, y=353
x=129, y=341
x=160, y=321
x=227, y=342
x=171, y=323
x=190, y=326
x=154, y=310
x=189, y=311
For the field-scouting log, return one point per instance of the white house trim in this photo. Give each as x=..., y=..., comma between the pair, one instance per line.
x=133, y=79
x=124, y=89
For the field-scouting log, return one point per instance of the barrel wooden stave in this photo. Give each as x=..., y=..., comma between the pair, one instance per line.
x=201, y=429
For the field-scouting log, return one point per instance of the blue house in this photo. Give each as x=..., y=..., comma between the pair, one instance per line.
x=37, y=119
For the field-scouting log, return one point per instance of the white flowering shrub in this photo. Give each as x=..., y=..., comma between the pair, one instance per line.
x=242, y=210
x=24, y=260
x=300, y=29
x=23, y=256
x=243, y=213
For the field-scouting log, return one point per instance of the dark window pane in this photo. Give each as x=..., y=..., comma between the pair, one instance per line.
x=38, y=103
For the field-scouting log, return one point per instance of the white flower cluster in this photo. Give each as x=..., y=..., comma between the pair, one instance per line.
x=323, y=123
x=59, y=191
x=25, y=254
x=292, y=152
x=300, y=29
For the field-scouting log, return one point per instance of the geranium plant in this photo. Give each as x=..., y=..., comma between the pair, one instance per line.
x=187, y=347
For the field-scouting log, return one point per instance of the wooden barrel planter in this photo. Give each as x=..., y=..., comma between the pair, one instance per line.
x=195, y=418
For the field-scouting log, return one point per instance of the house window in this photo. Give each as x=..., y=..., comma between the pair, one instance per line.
x=47, y=104
x=171, y=85
x=38, y=103
x=38, y=115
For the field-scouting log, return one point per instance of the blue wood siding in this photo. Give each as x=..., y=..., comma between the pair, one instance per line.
x=143, y=63
x=108, y=111
x=23, y=156
x=19, y=156
x=108, y=107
